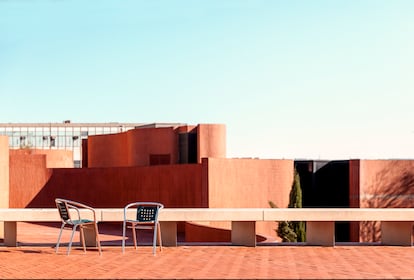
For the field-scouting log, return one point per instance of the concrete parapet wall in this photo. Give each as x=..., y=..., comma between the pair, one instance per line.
x=4, y=177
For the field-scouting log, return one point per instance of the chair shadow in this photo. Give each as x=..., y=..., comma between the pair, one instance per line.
x=110, y=234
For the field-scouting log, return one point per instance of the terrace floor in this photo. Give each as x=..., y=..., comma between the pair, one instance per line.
x=35, y=258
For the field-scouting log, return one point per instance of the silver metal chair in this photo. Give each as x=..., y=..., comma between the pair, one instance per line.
x=68, y=207
x=146, y=218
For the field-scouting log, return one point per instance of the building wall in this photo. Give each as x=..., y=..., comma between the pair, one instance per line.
x=107, y=150
x=354, y=199
x=119, y=173
x=4, y=172
x=152, y=141
x=54, y=158
x=136, y=146
x=4, y=177
x=248, y=183
x=211, y=141
x=238, y=183
x=132, y=148
x=382, y=184
x=173, y=185
x=28, y=176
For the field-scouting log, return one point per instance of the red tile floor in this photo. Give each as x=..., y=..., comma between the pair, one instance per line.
x=35, y=258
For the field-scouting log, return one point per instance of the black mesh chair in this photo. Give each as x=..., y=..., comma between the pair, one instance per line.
x=146, y=218
x=68, y=207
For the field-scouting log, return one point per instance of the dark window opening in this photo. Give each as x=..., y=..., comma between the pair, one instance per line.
x=187, y=148
x=160, y=159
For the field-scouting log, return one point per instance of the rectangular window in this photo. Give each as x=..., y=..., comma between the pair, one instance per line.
x=160, y=159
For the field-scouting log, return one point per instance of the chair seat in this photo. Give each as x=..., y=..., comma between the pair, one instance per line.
x=79, y=222
x=140, y=227
x=138, y=222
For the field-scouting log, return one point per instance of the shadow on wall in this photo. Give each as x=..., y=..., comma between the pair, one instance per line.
x=172, y=185
x=387, y=190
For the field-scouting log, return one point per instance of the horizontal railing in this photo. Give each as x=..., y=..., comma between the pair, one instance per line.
x=396, y=226
x=225, y=214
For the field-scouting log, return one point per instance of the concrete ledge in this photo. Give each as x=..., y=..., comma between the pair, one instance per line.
x=211, y=214
x=38, y=214
x=187, y=214
x=396, y=228
x=338, y=214
x=29, y=214
x=223, y=214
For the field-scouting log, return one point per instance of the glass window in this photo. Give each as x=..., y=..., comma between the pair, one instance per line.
x=39, y=141
x=16, y=141
x=30, y=141
x=60, y=141
x=61, y=131
x=75, y=141
x=99, y=130
x=52, y=141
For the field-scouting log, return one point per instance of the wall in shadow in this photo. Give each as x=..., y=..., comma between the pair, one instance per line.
x=173, y=185
x=325, y=184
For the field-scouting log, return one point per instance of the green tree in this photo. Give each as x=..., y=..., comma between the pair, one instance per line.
x=292, y=231
x=295, y=201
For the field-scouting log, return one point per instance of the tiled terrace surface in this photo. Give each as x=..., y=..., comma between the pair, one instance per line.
x=39, y=261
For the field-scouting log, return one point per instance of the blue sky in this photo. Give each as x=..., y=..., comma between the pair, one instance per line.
x=289, y=79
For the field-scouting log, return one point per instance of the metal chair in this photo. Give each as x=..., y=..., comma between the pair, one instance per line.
x=146, y=218
x=66, y=207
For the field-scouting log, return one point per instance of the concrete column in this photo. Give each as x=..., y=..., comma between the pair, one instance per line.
x=397, y=233
x=320, y=233
x=4, y=177
x=243, y=233
x=169, y=234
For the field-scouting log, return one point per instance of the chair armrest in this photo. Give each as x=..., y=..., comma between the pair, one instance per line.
x=77, y=206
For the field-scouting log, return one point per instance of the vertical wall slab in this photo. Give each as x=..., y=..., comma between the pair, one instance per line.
x=211, y=141
x=4, y=177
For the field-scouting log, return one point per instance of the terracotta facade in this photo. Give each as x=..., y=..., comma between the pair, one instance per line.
x=132, y=166
x=380, y=184
x=120, y=171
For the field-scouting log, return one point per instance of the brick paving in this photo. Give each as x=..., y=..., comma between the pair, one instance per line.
x=277, y=261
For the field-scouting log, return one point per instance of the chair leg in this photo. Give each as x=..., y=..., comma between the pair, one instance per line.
x=159, y=236
x=97, y=239
x=123, y=236
x=82, y=234
x=71, y=238
x=134, y=235
x=60, y=235
x=154, y=240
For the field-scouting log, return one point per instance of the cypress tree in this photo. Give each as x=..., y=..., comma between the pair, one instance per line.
x=295, y=201
x=292, y=231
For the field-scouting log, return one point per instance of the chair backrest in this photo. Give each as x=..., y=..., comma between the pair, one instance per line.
x=146, y=211
x=63, y=209
x=64, y=206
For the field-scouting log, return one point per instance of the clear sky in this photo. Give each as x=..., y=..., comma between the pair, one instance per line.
x=290, y=79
